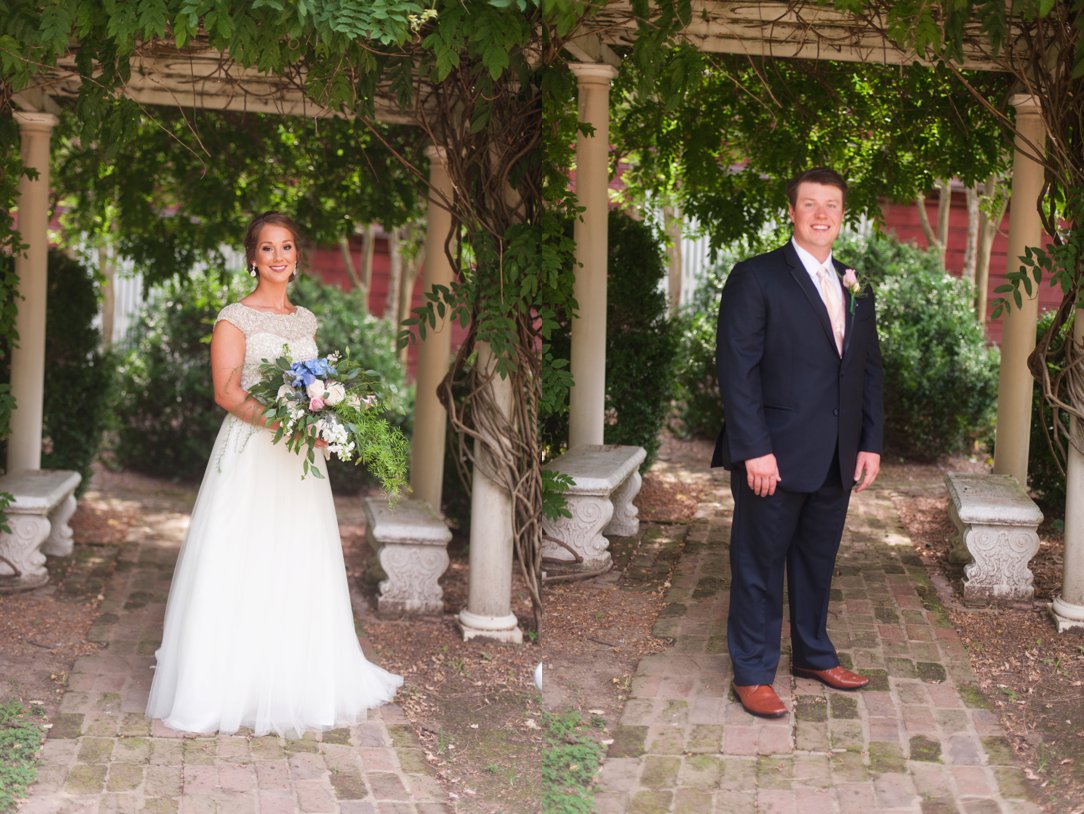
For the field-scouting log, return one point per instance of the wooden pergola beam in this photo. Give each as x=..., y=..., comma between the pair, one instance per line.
x=787, y=30
x=208, y=79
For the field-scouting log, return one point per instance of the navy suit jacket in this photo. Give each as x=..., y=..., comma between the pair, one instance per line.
x=785, y=388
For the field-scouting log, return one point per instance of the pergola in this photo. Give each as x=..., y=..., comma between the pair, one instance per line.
x=786, y=31
x=201, y=77
x=204, y=78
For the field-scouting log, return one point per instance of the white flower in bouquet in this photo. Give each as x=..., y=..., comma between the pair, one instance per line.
x=286, y=393
x=335, y=394
x=315, y=390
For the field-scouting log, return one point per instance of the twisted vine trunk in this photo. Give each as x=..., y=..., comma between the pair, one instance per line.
x=495, y=171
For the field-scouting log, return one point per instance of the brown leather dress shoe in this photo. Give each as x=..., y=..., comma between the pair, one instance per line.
x=760, y=700
x=838, y=678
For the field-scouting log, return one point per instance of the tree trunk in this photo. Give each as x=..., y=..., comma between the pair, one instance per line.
x=989, y=224
x=411, y=268
x=108, y=269
x=937, y=241
x=944, y=208
x=367, y=252
x=348, y=262
x=672, y=226
x=971, y=250
x=924, y=220
x=395, y=274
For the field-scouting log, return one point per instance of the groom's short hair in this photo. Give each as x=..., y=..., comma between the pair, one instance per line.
x=817, y=175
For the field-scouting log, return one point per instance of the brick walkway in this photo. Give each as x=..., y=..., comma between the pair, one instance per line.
x=920, y=739
x=103, y=755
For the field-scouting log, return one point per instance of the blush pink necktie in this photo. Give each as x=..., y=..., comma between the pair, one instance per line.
x=833, y=301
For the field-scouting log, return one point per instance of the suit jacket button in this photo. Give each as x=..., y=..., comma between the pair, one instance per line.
x=835, y=412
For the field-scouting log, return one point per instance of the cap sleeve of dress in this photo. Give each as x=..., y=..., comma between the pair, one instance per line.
x=237, y=315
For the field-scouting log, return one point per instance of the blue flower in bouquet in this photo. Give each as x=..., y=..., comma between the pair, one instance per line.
x=305, y=373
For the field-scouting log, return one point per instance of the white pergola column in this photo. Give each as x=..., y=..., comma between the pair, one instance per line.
x=430, y=417
x=587, y=401
x=488, y=614
x=31, y=268
x=1068, y=606
x=1015, y=384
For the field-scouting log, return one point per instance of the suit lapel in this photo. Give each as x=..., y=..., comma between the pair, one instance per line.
x=848, y=310
x=805, y=282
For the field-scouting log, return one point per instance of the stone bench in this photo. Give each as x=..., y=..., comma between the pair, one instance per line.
x=605, y=481
x=998, y=535
x=411, y=543
x=44, y=503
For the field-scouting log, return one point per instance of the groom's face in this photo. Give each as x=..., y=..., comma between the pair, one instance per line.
x=817, y=214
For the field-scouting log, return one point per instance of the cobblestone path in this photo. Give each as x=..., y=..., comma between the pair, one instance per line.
x=921, y=739
x=103, y=755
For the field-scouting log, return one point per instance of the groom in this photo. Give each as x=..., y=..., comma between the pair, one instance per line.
x=801, y=380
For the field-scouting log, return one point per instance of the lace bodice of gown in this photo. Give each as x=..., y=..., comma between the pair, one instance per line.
x=265, y=335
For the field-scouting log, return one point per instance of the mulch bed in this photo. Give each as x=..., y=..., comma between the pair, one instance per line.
x=1031, y=674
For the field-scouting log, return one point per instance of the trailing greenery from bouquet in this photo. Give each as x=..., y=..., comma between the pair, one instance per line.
x=332, y=399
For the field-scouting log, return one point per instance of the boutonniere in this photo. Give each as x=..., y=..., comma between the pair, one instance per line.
x=852, y=284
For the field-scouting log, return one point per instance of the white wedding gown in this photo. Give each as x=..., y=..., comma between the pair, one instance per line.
x=259, y=630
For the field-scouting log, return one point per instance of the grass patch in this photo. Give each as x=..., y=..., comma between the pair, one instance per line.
x=21, y=731
x=570, y=761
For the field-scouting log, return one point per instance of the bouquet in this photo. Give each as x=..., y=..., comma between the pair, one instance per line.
x=332, y=399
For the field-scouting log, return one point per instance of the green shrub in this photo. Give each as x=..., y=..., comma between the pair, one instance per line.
x=940, y=375
x=78, y=374
x=640, y=344
x=166, y=416
x=166, y=412
x=1046, y=479
x=698, y=408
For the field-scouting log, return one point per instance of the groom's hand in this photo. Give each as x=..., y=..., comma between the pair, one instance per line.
x=762, y=474
x=866, y=469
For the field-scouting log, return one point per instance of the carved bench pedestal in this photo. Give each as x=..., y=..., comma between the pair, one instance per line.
x=44, y=503
x=998, y=526
x=411, y=542
x=606, y=480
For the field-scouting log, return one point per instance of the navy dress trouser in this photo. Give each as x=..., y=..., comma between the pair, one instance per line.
x=791, y=533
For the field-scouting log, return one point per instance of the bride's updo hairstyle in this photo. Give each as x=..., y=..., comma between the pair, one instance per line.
x=272, y=218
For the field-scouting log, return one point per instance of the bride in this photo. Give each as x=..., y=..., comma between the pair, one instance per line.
x=259, y=631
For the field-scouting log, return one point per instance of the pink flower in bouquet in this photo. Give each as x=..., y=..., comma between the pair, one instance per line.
x=316, y=404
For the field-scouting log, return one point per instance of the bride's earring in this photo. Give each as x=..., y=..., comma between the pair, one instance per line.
x=294, y=273
x=252, y=272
